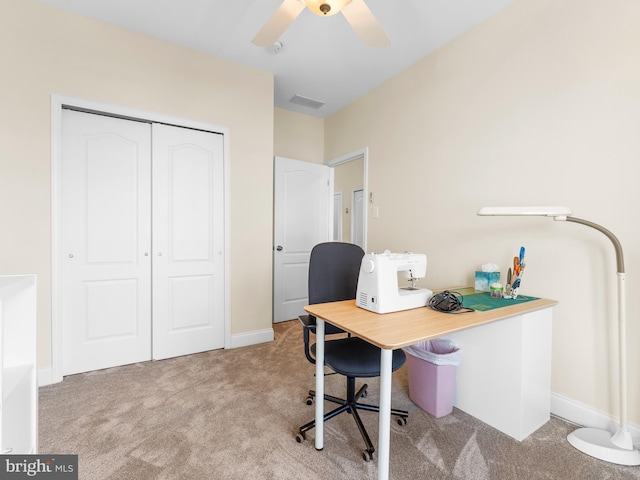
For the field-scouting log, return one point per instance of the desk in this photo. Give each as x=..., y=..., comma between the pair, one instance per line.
x=400, y=329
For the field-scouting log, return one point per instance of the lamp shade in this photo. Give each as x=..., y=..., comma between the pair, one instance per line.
x=559, y=213
x=326, y=8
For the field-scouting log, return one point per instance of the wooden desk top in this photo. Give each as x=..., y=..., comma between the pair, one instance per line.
x=407, y=327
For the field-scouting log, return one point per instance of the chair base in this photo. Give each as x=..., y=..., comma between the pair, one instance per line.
x=351, y=405
x=330, y=398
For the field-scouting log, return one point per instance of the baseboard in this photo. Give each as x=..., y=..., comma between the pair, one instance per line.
x=45, y=377
x=251, y=338
x=585, y=416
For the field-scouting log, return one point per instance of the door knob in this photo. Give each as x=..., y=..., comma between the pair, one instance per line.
x=279, y=248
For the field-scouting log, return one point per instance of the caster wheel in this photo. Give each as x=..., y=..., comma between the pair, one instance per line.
x=402, y=421
x=367, y=455
x=301, y=437
x=309, y=400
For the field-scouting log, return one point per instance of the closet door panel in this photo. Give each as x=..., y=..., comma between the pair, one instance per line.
x=188, y=238
x=190, y=203
x=105, y=234
x=190, y=302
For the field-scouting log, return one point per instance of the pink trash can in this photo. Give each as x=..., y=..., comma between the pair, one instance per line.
x=432, y=375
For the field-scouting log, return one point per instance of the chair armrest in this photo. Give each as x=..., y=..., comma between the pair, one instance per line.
x=308, y=325
x=308, y=321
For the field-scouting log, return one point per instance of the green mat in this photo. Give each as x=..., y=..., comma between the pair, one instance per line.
x=483, y=301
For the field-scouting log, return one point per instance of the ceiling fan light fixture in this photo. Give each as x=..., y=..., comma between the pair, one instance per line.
x=326, y=8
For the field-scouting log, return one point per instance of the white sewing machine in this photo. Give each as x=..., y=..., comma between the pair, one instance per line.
x=378, y=288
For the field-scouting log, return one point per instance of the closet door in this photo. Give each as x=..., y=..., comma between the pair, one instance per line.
x=188, y=240
x=105, y=212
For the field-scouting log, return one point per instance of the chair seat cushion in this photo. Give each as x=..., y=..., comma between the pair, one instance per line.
x=353, y=357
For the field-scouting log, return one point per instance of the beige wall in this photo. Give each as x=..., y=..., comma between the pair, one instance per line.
x=297, y=136
x=540, y=105
x=44, y=51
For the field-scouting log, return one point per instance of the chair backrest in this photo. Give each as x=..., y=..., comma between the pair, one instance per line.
x=334, y=268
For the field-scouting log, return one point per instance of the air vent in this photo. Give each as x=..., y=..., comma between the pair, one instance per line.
x=363, y=300
x=306, y=102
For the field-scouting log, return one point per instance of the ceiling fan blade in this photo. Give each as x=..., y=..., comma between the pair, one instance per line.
x=365, y=24
x=278, y=23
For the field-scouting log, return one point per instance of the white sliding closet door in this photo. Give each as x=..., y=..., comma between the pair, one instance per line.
x=188, y=240
x=142, y=241
x=105, y=183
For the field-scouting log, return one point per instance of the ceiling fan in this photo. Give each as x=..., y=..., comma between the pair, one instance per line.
x=355, y=12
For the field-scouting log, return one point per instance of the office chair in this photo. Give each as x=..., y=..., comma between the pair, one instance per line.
x=334, y=268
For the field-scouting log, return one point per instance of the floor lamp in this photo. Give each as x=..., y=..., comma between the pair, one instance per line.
x=617, y=447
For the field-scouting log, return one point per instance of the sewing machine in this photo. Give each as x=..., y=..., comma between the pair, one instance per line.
x=378, y=288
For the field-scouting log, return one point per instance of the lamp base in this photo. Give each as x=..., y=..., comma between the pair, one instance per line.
x=597, y=443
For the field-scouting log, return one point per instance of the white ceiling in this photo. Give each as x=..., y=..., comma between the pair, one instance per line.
x=321, y=58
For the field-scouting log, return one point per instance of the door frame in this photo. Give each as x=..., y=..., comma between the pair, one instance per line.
x=58, y=102
x=364, y=153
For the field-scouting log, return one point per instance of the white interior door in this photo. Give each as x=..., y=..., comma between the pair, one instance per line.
x=105, y=222
x=188, y=241
x=302, y=205
x=357, y=218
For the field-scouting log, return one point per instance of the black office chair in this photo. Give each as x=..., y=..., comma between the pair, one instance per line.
x=334, y=268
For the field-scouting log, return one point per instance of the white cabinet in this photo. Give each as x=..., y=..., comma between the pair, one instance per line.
x=18, y=387
x=504, y=378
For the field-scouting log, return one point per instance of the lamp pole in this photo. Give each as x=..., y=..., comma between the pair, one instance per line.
x=589, y=440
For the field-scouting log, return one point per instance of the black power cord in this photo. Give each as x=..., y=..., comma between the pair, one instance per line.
x=448, y=302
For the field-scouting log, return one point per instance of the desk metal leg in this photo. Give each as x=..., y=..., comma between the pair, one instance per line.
x=385, y=414
x=320, y=383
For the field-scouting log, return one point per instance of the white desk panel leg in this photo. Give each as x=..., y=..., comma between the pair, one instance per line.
x=319, y=384
x=385, y=414
x=504, y=378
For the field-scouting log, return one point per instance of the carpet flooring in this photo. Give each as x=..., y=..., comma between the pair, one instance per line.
x=233, y=414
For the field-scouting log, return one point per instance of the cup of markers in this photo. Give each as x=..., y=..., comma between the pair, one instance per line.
x=514, y=278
